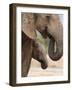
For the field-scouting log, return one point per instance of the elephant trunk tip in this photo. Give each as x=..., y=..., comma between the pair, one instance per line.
x=56, y=58
x=44, y=66
x=55, y=50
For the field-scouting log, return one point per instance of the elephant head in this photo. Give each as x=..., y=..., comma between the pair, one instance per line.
x=49, y=25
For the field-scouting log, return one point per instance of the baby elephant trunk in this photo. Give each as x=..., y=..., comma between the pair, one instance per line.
x=39, y=54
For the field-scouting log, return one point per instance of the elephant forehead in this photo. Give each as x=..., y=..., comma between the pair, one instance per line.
x=27, y=25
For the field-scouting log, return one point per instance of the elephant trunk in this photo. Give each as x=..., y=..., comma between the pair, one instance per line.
x=55, y=49
x=55, y=33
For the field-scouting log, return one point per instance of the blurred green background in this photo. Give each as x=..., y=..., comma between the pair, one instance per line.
x=43, y=41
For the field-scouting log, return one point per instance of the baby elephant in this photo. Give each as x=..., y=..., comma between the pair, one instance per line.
x=31, y=49
x=39, y=54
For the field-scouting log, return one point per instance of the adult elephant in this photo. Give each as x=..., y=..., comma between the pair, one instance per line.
x=49, y=25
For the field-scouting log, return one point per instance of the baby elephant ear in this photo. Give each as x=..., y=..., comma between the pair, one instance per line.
x=27, y=25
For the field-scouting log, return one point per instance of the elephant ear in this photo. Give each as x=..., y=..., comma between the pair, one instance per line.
x=27, y=25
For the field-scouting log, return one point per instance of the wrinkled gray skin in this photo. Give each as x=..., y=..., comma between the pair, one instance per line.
x=49, y=25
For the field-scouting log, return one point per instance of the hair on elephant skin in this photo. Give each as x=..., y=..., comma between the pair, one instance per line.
x=49, y=25
x=31, y=49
